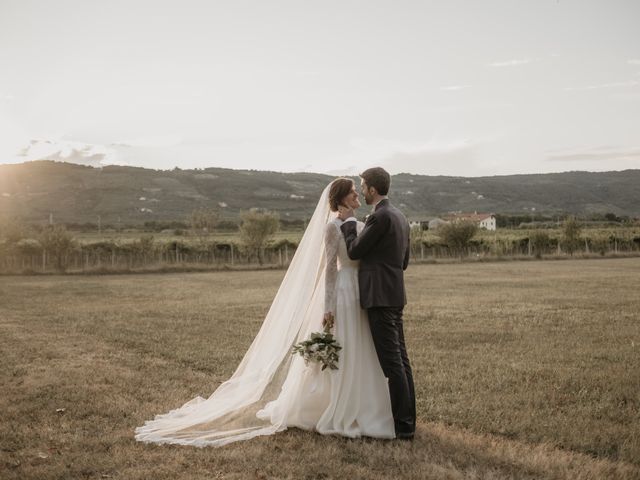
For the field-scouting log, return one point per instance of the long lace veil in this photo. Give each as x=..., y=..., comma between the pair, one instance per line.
x=229, y=414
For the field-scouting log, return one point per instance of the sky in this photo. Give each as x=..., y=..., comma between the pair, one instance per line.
x=463, y=88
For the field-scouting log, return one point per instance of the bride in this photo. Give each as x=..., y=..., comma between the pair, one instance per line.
x=272, y=390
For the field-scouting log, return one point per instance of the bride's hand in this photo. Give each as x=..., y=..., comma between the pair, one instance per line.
x=328, y=320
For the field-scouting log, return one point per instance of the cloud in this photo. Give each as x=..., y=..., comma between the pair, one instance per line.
x=510, y=63
x=634, y=61
x=595, y=154
x=70, y=151
x=628, y=83
x=452, y=88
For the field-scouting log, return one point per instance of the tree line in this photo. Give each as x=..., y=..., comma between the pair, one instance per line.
x=32, y=248
x=39, y=248
x=459, y=239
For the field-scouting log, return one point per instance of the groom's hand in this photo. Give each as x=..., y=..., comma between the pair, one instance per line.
x=328, y=320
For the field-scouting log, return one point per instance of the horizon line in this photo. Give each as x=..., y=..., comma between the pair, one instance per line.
x=305, y=171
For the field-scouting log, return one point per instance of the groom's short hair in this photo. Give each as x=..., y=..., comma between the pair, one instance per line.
x=378, y=178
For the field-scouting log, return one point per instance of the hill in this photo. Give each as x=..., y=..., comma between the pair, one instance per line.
x=77, y=194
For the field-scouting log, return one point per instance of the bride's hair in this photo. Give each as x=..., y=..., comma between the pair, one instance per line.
x=340, y=188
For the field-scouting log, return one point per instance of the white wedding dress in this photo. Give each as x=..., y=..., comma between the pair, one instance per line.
x=272, y=389
x=354, y=400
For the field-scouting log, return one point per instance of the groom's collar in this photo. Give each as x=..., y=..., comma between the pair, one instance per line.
x=381, y=203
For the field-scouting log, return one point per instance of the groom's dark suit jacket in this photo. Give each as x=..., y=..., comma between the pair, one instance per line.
x=383, y=250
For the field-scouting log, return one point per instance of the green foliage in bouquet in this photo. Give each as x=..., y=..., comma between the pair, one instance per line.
x=320, y=348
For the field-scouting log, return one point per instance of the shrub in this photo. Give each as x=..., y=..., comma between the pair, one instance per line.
x=203, y=221
x=540, y=242
x=257, y=228
x=457, y=235
x=58, y=243
x=29, y=246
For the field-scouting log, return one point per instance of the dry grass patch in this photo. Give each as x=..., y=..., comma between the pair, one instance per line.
x=523, y=370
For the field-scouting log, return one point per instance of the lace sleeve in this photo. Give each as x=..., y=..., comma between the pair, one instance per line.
x=331, y=241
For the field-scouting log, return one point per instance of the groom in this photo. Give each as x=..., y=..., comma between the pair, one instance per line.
x=383, y=250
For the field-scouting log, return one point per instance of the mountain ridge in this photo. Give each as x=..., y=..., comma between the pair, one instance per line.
x=78, y=193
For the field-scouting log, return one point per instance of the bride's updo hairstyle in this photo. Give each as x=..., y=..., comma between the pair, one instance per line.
x=340, y=188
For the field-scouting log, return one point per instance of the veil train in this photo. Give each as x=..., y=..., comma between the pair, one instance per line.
x=230, y=414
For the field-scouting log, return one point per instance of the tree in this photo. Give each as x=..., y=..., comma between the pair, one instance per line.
x=611, y=217
x=12, y=230
x=257, y=229
x=58, y=243
x=29, y=246
x=203, y=221
x=144, y=247
x=540, y=242
x=571, y=235
x=456, y=235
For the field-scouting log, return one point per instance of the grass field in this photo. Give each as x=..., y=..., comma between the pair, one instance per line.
x=523, y=370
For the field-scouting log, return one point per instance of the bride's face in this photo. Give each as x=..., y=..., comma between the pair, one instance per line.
x=351, y=200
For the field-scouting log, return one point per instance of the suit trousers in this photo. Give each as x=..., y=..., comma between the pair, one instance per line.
x=388, y=338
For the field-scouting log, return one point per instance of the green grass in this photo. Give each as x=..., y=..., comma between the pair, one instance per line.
x=523, y=370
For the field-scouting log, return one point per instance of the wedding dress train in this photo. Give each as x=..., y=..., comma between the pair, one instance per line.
x=272, y=390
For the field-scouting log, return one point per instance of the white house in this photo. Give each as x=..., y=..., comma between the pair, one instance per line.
x=483, y=220
x=488, y=223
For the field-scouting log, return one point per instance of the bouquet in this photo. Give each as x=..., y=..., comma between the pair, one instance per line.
x=320, y=348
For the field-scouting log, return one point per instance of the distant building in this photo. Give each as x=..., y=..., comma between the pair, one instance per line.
x=483, y=220
x=488, y=222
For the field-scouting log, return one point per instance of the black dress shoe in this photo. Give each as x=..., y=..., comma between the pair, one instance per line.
x=405, y=435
